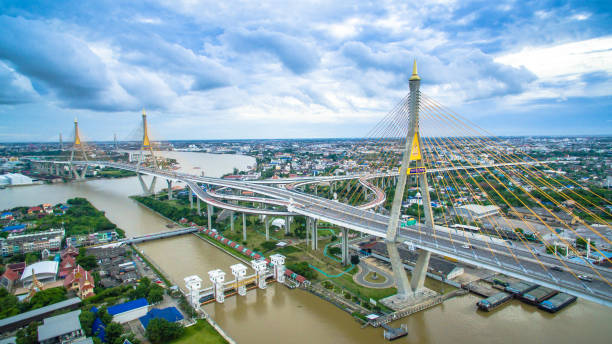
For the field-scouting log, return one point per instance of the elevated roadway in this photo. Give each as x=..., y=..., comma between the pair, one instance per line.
x=491, y=254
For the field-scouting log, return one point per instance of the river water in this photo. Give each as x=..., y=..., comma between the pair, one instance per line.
x=278, y=314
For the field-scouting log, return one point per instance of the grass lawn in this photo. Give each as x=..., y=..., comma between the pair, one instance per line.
x=370, y=278
x=201, y=333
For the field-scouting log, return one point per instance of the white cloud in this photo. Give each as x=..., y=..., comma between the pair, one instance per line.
x=564, y=60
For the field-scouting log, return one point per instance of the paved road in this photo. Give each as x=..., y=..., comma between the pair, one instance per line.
x=385, y=280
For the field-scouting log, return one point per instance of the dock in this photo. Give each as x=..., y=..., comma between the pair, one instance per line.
x=392, y=333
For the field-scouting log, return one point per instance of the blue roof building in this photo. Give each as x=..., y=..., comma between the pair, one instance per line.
x=14, y=228
x=127, y=306
x=129, y=311
x=170, y=314
x=99, y=329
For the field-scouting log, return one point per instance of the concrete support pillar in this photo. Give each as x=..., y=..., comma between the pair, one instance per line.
x=420, y=270
x=209, y=214
x=399, y=273
x=198, y=206
x=190, y=198
x=147, y=190
x=307, y=230
x=344, y=247
x=244, y=237
x=287, y=224
x=169, y=188
x=83, y=172
x=267, y=222
x=315, y=234
x=232, y=221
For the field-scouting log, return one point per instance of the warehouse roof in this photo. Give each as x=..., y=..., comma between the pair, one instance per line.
x=127, y=306
x=58, y=325
x=44, y=267
x=171, y=314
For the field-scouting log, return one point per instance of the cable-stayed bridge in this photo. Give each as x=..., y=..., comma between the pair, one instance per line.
x=451, y=169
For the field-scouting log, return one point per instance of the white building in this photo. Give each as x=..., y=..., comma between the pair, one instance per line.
x=476, y=211
x=15, y=179
x=46, y=271
x=129, y=311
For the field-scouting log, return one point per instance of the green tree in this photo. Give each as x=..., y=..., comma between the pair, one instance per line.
x=113, y=333
x=104, y=316
x=31, y=258
x=47, y=297
x=87, y=319
x=302, y=268
x=335, y=250
x=87, y=262
x=29, y=335
x=581, y=243
x=163, y=331
x=355, y=259
x=156, y=294
x=142, y=289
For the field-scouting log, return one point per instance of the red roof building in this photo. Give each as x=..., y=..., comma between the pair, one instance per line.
x=34, y=210
x=66, y=266
x=7, y=280
x=17, y=267
x=69, y=251
x=80, y=280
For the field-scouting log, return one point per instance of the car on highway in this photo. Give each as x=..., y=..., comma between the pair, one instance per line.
x=466, y=246
x=556, y=268
x=585, y=278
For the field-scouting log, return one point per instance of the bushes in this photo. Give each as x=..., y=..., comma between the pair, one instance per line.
x=47, y=297
x=268, y=245
x=336, y=251
x=163, y=331
x=303, y=269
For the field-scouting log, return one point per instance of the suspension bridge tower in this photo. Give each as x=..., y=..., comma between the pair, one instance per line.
x=77, y=146
x=146, y=146
x=413, y=166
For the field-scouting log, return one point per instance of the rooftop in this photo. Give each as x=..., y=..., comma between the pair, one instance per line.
x=171, y=314
x=42, y=310
x=127, y=306
x=58, y=325
x=44, y=267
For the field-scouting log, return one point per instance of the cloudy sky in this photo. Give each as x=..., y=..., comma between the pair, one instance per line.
x=288, y=69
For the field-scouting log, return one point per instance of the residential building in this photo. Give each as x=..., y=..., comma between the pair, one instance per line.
x=91, y=239
x=8, y=279
x=34, y=242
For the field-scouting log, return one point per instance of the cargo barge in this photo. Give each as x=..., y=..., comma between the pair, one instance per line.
x=538, y=295
x=519, y=288
x=493, y=301
x=557, y=302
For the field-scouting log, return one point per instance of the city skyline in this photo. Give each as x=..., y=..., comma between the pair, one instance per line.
x=209, y=71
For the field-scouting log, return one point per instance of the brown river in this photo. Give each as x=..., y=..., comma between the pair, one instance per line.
x=280, y=315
